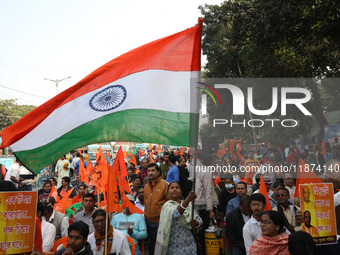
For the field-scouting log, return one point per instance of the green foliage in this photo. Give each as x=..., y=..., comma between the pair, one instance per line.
x=276, y=39
x=10, y=112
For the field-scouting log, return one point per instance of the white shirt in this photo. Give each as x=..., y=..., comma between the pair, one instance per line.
x=48, y=232
x=251, y=231
x=14, y=171
x=191, y=171
x=64, y=224
x=245, y=218
x=337, y=199
x=139, y=205
x=120, y=244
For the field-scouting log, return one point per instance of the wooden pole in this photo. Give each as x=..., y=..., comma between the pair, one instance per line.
x=106, y=227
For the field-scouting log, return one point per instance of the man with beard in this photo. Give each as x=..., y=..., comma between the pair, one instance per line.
x=47, y=186
x=165, y=166
x=140, y=198
x=77, y=240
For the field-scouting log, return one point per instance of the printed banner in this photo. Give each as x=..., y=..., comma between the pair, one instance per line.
x=317, y=204
x=17, y=221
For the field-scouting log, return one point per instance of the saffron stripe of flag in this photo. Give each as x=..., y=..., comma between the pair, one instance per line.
x=131, y=98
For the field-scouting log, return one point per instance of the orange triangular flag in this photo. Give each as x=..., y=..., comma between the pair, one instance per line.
x=54, y=193
x=305, y=175
x=64, y=203
x=263, y=191
x=83, y=173
x=108, y=154
x=126, y=203
x=112, y=192
x=217, y=180
x=120, y=167
x=89, y=168
x=150, y=147
x=133, y=160
x=323, y=149
x=100, y=172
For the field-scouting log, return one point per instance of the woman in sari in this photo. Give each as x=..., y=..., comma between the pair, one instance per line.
x=174, y=234
x=273, y=240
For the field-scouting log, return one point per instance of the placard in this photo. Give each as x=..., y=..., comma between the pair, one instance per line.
x=317, y=205
x=17, y=221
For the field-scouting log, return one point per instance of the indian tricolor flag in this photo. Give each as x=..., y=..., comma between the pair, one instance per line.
x=146, y=95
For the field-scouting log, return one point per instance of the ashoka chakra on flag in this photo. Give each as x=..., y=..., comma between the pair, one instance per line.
x=108, y=99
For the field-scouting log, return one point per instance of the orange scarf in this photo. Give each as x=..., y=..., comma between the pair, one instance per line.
x=270, y=245
x=99, y=238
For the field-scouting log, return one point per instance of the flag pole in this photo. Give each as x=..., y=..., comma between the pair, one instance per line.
x=106, y=225
x=194, y=183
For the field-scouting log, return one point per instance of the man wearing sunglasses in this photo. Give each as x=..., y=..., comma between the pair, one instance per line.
x=292, y=214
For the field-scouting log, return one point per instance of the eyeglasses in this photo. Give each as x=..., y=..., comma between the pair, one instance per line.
x=281, y=195
x=266, y=222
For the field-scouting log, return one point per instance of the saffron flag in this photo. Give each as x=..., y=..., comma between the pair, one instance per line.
x=54, y=193
x=133, y=160
x=120, y=168
x=89, y=168
x=112, y=192
x=109, y=108
x=83, y=173
x=305, y=175
x=264, y=192
x=100, y=172
x=64, y=203
x=126, y=203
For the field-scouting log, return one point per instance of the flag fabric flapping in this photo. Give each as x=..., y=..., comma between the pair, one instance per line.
x=305, y=175
x=134, y=97
x=100, y=171
x=120, y=169
x=264, y=192
x=83, y=173
x=112, y=192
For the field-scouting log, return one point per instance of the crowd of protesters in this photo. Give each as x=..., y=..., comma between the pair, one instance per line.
x=162, y=187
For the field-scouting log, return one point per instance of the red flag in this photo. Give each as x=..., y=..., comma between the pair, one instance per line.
x=112, y=192
x=54, y=193
x=305, y=175
x=64, y=203
x=133, y=160
x=89, y=168
x=323, y=149
x=217, y=180
x=126, y=203
x=83, y=173
x=268, y=145
x=100, y=172
x=120, y=167
x=263, y=191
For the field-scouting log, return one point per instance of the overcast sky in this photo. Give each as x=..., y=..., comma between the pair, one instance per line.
x=57, y=39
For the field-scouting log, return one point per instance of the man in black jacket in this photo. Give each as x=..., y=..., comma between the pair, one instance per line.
x=235, y=221
x=77, y=240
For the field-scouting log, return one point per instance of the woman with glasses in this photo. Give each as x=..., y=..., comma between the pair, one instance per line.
x=273, y=240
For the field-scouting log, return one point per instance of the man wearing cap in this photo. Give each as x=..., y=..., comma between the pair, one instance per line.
x=131, y=224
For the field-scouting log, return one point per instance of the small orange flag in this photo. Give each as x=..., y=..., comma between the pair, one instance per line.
x=38, y=235
x=263, y=191
x=54, y=193
x=268, y=145
x=100, y=172
x=120, y=167
x=112, y=192
x=126, y=203
x=83, y=173
x=323, y=149
x=64, y=203
x=133, y=160
x=89, y=168
x=305, y=175
x=109, y=154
